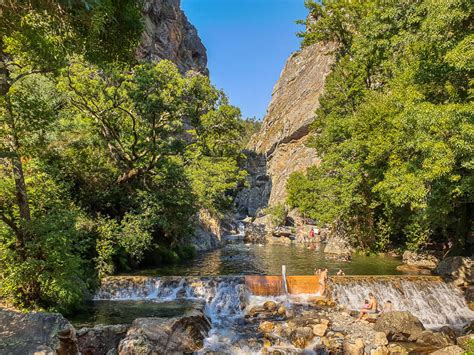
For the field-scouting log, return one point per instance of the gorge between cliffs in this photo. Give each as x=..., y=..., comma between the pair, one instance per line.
x=141, y=213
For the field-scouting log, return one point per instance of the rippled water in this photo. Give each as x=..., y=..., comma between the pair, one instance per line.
x=241, y=259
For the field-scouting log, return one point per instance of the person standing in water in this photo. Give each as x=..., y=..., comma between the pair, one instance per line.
x=323, y=279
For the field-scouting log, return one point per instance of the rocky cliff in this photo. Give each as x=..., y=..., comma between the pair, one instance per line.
x=169, y=35
x=285, y=128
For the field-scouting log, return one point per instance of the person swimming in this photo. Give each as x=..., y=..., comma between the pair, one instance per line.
x=341, y=273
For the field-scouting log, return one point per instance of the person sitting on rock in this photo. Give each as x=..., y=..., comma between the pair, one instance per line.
x=387, y=307
x=371, y=309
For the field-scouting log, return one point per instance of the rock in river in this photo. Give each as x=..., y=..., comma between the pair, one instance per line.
x=102, y=339
x=398, y=325
x=36, y=333
x=163, y=336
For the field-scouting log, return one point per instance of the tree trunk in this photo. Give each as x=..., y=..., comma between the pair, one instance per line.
x=17, y=166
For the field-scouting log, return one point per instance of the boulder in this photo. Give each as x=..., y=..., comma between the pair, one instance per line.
x=449, y=332
x=320, y=329
x=422, y=260
x=380, y=339
x=427, y=337
x=266, y=327
x=282, y=232
x=282, y=311
x=413, y=269
x=449, y=350
x=36, y=333
x=255, y=233
x=398, y=325
x=301, y=337
x=338, y=245
x=101, y=339
x=396, y=349
x=381, y=350
x=457, y=269
x=355, y=348
x=162, y=335
x=270, y=306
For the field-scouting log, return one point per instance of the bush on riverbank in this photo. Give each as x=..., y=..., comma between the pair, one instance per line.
x=394, y=126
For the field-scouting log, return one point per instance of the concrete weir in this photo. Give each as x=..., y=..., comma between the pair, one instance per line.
x=273, y=285
x=433, y=301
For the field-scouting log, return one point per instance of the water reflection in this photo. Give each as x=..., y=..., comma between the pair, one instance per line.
x=241, y=259
x=125, y=312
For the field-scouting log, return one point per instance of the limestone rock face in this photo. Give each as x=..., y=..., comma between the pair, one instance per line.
x=285, y=128
x=169, y=35
x=208, y=232
x=250, y=199
x=36, y=333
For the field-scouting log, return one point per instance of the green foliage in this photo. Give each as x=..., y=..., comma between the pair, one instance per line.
x=395, y=124
x=251, y=127
x=278, y=214
x=55, y=274
x=97, y=172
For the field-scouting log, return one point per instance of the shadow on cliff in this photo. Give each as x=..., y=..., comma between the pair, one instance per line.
x=253, y=197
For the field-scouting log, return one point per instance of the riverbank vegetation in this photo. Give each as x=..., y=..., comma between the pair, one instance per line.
x=104, y=160
x=395, y=126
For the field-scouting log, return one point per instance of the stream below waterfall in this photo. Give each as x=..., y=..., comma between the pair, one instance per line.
x=216, y=279
x=254, y=259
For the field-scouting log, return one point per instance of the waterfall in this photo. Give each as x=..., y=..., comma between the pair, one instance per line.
x=434, y=302
x=241, y=229
x=283, y=276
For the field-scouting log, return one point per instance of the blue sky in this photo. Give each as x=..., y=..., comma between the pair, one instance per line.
x=248, y=42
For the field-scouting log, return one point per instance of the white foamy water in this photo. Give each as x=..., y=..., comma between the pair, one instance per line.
x=435, y=303
x=227, y=300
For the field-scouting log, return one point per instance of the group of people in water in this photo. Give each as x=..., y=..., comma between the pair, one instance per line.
x=370, y=305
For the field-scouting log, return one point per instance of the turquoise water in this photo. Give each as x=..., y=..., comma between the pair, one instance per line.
x=241, y=259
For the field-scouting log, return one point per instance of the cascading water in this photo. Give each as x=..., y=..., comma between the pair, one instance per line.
x=241, y=229
x=227, y=299
x=434, y=302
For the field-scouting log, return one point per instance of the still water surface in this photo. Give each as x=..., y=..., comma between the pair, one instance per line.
x=241, y=259
x=125, y=312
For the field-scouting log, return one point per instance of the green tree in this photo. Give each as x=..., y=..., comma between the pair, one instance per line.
x=395, y=123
